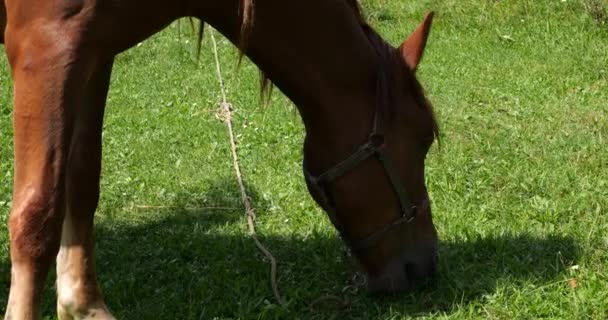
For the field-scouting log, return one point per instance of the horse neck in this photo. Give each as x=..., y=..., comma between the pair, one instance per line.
x=315, y=52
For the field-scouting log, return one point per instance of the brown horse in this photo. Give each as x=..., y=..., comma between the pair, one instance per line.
x=368, y=129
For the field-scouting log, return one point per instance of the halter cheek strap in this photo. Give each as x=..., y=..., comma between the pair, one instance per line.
x=321, y=184
x=373, y=148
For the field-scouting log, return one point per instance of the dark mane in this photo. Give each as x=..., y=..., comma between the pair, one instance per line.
x=354, y=4
x=390, y=61
x=247, y=8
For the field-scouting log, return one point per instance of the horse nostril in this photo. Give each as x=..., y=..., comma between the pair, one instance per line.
x=434, y=264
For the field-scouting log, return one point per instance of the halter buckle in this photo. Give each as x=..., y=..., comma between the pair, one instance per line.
x=377, y=141
x=414, y=213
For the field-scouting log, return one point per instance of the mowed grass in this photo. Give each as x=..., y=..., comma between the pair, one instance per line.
x=519, y=185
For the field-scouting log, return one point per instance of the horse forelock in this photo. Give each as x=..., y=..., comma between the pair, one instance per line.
x=389, y=64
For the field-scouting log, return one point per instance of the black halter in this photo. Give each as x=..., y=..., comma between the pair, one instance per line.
x=374, y=147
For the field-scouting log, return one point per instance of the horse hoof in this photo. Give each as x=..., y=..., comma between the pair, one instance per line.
x=99, y=312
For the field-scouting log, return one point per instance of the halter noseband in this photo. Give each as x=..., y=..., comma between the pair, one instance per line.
x=374, y=147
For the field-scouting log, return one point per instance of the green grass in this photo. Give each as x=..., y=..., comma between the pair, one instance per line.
x=519, y=186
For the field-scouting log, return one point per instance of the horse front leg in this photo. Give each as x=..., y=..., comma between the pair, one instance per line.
x=78, y=294
x=50, y=71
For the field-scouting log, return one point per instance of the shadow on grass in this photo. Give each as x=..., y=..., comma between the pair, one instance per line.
x=201, y=264
x=178, y=268
x=471, y=269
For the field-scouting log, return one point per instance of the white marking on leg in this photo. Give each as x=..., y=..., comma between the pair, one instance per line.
x=71, y=292
x=65, y=284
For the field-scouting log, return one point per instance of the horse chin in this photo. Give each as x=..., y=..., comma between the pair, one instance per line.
x=391, y=281
x=402, y=276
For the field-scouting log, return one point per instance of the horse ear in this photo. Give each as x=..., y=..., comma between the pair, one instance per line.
x=412, y=48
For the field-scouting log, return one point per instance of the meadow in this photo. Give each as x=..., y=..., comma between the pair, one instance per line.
x=519, y=184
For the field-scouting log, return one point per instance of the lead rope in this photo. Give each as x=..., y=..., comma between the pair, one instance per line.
x=226, y=116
